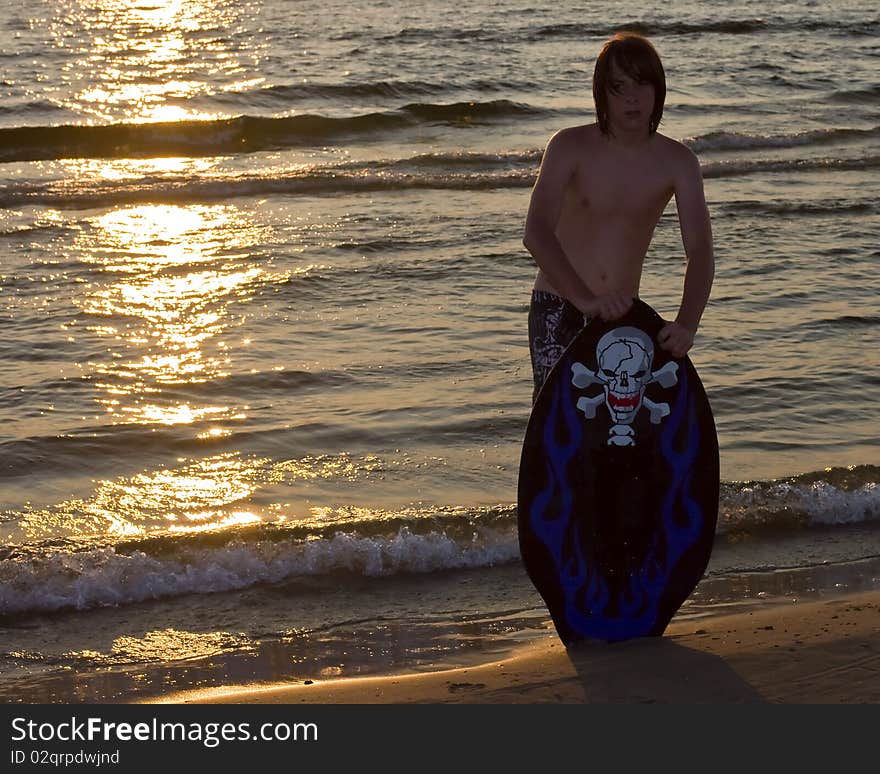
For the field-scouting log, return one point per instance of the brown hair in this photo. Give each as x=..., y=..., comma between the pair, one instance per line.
x=635, y=55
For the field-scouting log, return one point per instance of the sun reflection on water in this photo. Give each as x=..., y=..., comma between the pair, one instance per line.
x=169, y=283
x=212, y=493
x=167, y=167
x=163, y=645
x=154, y=236
x=148, y=62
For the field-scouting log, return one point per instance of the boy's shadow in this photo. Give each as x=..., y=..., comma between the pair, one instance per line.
x=657, y=669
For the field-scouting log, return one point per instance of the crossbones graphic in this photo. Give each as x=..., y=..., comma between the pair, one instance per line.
x=624, y=356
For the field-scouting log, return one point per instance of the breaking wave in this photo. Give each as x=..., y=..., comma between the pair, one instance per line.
x=80, y=574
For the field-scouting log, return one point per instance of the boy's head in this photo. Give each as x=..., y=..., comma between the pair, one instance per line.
x=628, y=79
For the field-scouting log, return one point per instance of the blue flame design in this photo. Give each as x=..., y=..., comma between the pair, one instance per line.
x=680, y=537
x=585, y=591
x=551, y=527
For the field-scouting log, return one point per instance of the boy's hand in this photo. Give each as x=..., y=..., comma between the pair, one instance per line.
x=610, y=306
x=676, y=339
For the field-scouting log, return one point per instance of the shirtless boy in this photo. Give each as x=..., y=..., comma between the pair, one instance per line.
x=599, y=195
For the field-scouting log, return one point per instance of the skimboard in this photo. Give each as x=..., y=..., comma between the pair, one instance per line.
x=618, y=483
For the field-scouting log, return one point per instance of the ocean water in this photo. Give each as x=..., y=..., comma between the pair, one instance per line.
x=265, y=373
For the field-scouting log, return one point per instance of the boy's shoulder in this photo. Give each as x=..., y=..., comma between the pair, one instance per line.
x=675, y=151
x=571, y=141
x=575, y=134
x=677, y=159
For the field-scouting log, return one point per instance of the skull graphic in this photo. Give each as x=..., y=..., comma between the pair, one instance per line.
x=624, y=356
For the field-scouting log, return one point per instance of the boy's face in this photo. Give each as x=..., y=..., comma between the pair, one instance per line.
x=630, y=101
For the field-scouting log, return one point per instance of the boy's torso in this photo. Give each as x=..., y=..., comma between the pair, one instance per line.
x=611, y=206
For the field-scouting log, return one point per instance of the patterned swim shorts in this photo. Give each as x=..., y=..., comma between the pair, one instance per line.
x=553, y=323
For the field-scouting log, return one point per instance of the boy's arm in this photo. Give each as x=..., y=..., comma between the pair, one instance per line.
x=545, y=206
x=696, y=236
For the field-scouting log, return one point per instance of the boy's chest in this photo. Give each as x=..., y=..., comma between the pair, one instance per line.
x=620, y=189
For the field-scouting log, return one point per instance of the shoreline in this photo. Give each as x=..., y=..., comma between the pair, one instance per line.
x=824, y=651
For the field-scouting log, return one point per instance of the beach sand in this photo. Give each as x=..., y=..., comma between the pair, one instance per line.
x=786, y=652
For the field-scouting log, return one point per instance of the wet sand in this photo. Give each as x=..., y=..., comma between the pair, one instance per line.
x=787, y=652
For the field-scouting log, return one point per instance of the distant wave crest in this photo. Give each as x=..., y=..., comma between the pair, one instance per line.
x=451, y=171
x=237, y=135
x=719, y=141
x=656, y=27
